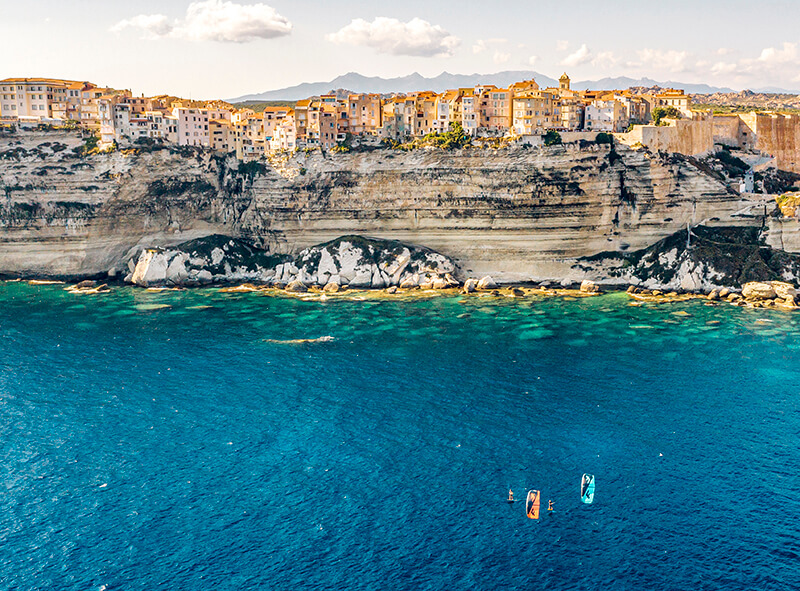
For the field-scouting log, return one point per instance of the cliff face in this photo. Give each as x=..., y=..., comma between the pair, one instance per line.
x=518, y=214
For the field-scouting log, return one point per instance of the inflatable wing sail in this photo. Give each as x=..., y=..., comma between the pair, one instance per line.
x=587, y=488
x=532, y=504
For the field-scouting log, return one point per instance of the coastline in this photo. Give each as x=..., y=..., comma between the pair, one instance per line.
x=518, y=292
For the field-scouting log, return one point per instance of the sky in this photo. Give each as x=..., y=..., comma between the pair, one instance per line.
x=206, y=49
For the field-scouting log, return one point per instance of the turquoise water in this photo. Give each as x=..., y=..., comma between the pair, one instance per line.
x=166, y=441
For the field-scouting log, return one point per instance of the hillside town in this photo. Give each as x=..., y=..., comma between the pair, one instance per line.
x=523, y=112
x=523, y=109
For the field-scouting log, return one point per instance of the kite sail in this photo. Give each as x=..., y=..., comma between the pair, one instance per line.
x=587, y=488
x=532, y=504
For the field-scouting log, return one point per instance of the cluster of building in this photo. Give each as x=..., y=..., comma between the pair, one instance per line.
x=521, y=110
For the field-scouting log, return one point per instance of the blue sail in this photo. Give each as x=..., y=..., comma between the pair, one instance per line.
x=587, y=488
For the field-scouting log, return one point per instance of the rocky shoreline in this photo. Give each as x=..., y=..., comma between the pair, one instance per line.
x=773, y=295
x=362, y=267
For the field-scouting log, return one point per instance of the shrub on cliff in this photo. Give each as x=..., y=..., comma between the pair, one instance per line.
x=734, y=166
x=604, y=138
x=453, y=139
x=552, y=138
x=89, y=146
x=660, y=113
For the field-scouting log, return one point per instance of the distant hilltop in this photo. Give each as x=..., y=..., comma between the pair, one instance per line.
x=356, y=83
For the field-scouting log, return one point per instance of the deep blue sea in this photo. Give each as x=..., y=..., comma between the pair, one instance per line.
x=173, y=441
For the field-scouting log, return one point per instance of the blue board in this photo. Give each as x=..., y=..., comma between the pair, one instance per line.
x=587, y=488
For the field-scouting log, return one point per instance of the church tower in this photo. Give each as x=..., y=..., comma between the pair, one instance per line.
x=563, y=82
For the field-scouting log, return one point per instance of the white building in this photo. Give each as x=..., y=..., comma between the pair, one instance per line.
x=608, y=116
x=35, y=98
x=192, y=126
x=469, y=114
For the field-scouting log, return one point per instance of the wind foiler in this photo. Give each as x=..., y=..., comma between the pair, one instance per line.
x=532, y=504
x=587, y=488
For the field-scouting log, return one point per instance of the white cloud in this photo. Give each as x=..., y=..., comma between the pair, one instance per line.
x=661, y=60
x=771, y=55
x=724, y=51
x=153, y=25
x=482, y=45
x=532, y=60
x=213, y=20
x=500, y=57
x=562, y=45
x=604, y=59
x=723, y=68
x=579, y=57
x=389, y=35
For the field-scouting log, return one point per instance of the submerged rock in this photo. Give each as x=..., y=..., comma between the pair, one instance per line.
x=297, y=287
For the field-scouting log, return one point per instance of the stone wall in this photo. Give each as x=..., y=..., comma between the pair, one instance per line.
x=682, y=136
x=779, y=136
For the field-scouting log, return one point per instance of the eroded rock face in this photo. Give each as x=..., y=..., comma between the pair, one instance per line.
x=516, y=214
x=352, y=261
x=215, y=259
x=716, y=258
x=371, y=263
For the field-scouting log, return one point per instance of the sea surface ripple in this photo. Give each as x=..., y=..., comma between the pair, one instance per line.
x=209, y=440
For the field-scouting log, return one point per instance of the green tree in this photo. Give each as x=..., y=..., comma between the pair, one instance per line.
x=604, y=138
x=552, y=138
x=660, y=113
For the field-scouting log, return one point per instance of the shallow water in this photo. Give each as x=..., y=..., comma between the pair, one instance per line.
x=180, y=440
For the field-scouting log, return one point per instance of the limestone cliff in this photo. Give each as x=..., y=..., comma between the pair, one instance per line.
x=518, y=214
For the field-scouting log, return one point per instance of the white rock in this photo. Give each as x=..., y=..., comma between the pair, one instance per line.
x=588, y=286
x=176, y=272
x=409, y=282
x=399, y=265
x=151, y=268
x=756, y=290
x=322, y=279
x=487, y=283
x=362, y=279
x=205, y=276
x=470, y=285
x=690, y=282
x=377, y=281
x=349, y=258
x=326, y=265
x=334, y=279
x=439, y=282
x=783, y=290
x=217, y=255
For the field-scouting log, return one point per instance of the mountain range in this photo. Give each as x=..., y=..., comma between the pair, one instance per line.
x=358, y=83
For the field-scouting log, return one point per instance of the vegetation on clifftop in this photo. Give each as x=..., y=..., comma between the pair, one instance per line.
x=453, y=139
